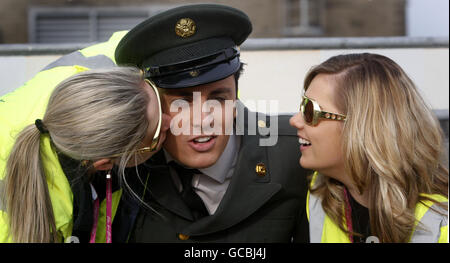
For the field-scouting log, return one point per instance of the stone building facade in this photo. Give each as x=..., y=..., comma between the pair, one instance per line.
x=24, y=21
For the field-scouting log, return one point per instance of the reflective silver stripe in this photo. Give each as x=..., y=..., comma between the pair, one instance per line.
x=76, y=58
x=316, y=219
x=2, y=187
x=432, y=222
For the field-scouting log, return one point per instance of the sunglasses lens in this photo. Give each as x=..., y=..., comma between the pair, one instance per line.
x=308, y=111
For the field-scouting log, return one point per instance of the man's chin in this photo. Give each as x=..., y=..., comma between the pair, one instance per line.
x=201, y=162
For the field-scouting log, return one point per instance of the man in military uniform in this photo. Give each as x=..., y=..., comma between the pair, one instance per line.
x=209, y=187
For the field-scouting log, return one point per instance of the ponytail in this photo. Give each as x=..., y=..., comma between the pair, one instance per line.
x=89, y=116
x=27, y=197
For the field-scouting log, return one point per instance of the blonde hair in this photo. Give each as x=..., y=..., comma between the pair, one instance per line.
x=392, y=143
x=92, y=115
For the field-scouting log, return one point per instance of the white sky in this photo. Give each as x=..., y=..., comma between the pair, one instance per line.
x=427, y=18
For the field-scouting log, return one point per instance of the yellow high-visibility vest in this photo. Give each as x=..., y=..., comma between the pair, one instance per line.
x=322, y=229
x=24, y=105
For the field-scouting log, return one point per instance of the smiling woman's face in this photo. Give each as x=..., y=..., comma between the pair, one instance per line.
x=324, y=154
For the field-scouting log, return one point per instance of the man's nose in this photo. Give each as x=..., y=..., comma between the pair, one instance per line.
x=199, y=115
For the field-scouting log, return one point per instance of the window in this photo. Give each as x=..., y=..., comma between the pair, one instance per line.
x=84, y=24
x=304, y=17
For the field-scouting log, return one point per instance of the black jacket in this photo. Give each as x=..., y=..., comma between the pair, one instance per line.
x=255, y=208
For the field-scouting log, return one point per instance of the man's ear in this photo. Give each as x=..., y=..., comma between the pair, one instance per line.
x=103, y=165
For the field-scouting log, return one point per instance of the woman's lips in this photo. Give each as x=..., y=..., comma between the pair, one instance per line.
x=304, y=144
x=304, y=147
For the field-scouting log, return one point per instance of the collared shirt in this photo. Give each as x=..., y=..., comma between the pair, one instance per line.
x=212, y=184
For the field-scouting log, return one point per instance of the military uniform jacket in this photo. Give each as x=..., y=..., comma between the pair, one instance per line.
x=255, y=208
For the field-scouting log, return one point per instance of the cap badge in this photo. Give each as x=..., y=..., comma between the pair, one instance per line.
x=185, y=27
x=194, y=73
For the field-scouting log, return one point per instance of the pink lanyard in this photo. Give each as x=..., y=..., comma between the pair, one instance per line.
x=108, y=213
x=348, y=215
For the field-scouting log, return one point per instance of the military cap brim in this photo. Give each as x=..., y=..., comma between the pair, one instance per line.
x=205, y=54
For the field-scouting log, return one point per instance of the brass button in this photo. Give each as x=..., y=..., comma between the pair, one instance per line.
x=261, y=169
x=261, y=124
x=183, y=236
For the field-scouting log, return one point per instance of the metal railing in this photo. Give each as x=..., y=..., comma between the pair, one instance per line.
x=260, y=44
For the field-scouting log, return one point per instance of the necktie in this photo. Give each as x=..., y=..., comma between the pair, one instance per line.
x=190, y=197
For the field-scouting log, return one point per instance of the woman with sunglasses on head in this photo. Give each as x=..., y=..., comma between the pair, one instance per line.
x=94, y=121
x=377, y=150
